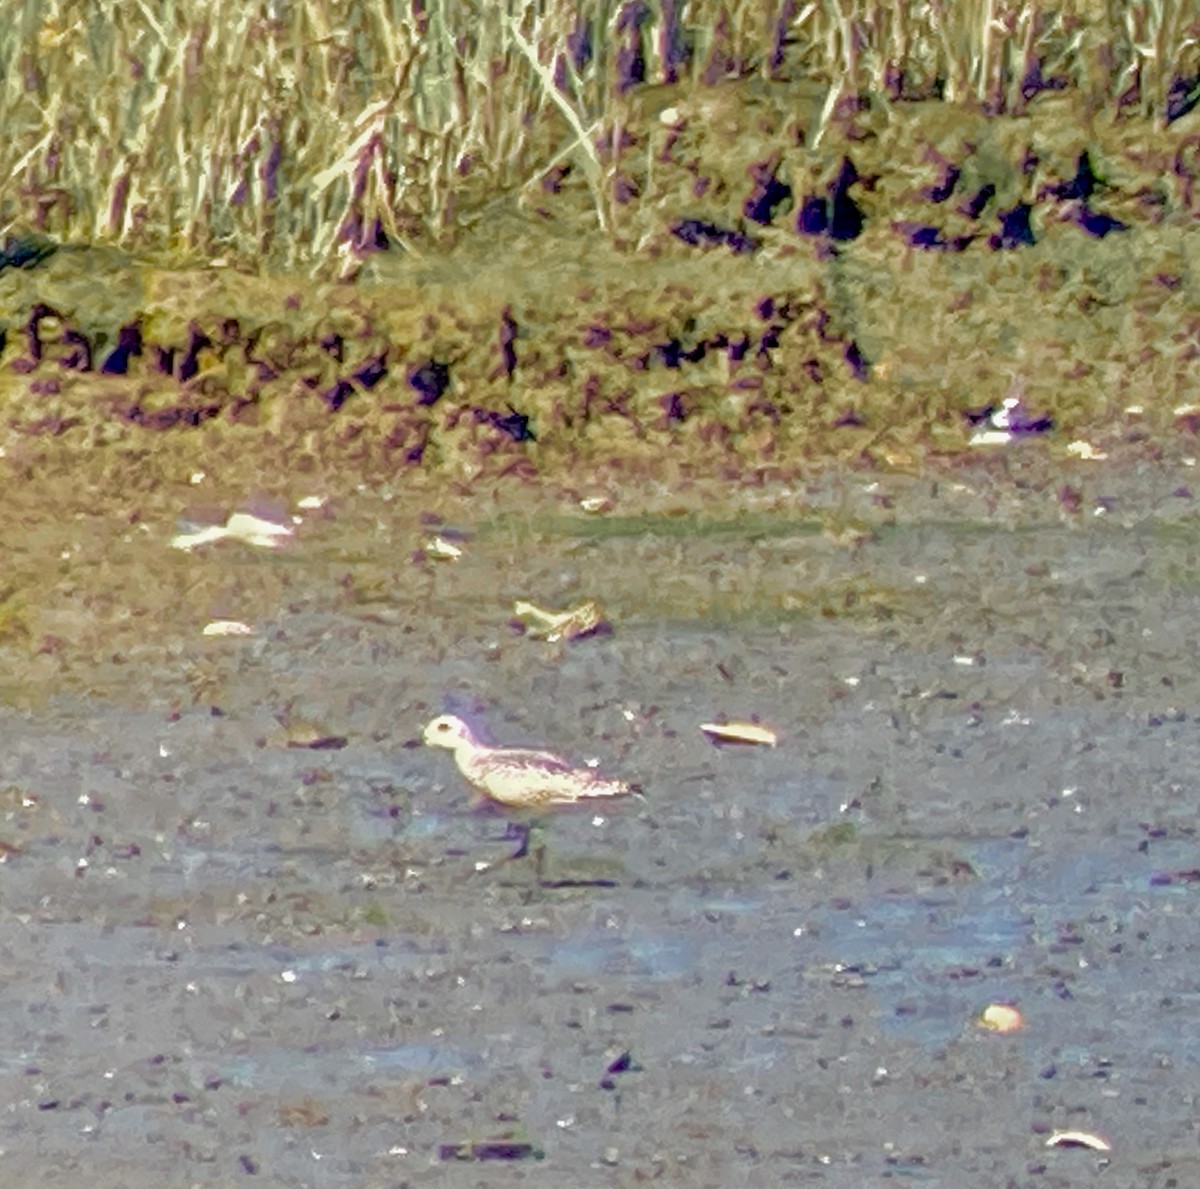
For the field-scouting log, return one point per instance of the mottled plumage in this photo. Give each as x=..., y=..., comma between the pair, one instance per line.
x=518, y=776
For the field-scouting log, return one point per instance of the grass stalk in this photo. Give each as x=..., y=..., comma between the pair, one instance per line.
x=294, y=129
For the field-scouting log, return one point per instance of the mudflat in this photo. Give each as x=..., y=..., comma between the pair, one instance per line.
x=251, y=927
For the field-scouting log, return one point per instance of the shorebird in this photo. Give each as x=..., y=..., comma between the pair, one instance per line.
x=520, y=778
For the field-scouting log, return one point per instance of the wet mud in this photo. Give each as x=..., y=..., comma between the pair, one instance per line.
x=885, y=442
x=252, y=929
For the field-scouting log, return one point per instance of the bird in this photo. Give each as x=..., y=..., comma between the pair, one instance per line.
x=519, y=777
x=526, y=780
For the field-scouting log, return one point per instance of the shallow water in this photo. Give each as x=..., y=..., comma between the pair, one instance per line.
x=228, y=955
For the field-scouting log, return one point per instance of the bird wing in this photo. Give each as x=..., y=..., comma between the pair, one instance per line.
x=521, y=777
x=531, y=757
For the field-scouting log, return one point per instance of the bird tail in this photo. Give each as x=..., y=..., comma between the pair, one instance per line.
x=613, y=788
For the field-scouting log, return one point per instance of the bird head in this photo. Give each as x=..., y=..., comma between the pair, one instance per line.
x=447, y=731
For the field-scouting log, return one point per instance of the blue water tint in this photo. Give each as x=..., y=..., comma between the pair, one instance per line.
x=301, y=1070
x=906, y=949
x=427, y=1060
x=806, y=798
x=692, y=901
x=424, y=825
x=909, y=948
x=648, y=957
x=932, y=961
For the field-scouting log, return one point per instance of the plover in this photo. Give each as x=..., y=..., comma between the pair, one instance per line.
x=519, y=777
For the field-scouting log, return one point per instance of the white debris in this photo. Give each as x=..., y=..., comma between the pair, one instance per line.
x=228, y=627
x=241, y=526
x=740, y=732
x=1079, y=1139
x=442, y=549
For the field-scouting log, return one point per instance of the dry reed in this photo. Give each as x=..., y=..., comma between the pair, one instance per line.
x=307, y=132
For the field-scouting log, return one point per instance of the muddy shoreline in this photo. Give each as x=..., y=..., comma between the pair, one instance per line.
x=873, y=421
x=232, y=953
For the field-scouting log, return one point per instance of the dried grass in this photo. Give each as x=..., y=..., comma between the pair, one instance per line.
x=306, y=132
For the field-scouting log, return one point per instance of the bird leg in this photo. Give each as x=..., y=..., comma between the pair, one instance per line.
x=536, y=841
x=531, y=843
x=518, y=832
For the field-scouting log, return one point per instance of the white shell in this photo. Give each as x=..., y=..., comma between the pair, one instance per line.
x=740, y=732
x=241, y=526
x=228, y=627
x=1078, y=1139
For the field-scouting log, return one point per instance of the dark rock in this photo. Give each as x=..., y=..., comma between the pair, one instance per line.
x=25, y=251
x=669, y=354
x=674, y=408
x=846, y=218
x=1095, y=223
x=516, y=425
x=700, y=233
x=930, y=239
x=80, y=358
x=429, y=380
x=1015, y=229
x=129, y=346
x=813, y=216
x=508, y=338
x=972, y=208
x=338, y=395
x=197, y=341
x=856, y=361
x=941, y=191
x=768, y=195
x=1082, y=185
x=371, y=372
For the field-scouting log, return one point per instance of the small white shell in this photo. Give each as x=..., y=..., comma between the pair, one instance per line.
x=1000, y=1017
x=740, y=732
x=254, y=530
x=228, y=627
x=1078, y=1139
x=241, y=526
x=442, y=549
